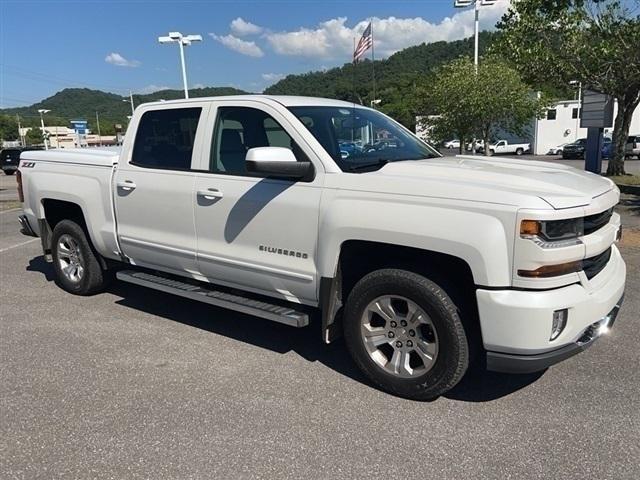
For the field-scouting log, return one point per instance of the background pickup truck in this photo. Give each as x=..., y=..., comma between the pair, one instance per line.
x=503, y=146
x=425, y=264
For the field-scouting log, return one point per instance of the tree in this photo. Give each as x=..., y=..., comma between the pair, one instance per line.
x=596, y=42
x=463, y=103
x=8, y=128
x=34, y=136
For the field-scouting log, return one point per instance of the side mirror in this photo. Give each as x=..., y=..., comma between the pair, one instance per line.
x=276, y=162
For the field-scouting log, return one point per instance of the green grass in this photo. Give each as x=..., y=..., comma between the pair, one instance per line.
x=626, y=179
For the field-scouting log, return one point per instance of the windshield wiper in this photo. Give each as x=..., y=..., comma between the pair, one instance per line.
x=363, y=166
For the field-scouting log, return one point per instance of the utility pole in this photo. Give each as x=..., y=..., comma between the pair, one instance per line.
x=130, y=101
x=98, y=125
x=20, y=136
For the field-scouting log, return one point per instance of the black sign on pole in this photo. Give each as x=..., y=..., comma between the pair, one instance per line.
x=596, y=115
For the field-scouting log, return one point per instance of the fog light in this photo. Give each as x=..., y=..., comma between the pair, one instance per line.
x=559, y=322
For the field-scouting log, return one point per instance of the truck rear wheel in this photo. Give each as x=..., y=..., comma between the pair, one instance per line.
x=519, y=151
x=75, y=261
x=405, y=334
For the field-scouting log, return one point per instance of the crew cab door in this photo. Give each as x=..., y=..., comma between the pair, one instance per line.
x=255, y=233
x=154, y=184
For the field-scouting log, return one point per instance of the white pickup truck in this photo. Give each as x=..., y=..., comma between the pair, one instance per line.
x=423, y=263
x=502, y=146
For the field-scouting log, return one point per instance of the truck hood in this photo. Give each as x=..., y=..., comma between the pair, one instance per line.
x=464, y=177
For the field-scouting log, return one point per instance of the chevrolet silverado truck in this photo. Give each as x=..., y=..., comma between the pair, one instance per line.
x=423, y=264
x=503, y=146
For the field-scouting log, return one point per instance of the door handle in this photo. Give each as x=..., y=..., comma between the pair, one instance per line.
x=210, y=193
x=126, y=185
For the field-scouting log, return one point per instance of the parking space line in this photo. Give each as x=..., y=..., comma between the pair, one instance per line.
x=19, y=245
x=11, y=211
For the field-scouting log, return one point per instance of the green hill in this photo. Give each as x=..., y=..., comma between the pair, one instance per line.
x=82, y=103
x=396, y=77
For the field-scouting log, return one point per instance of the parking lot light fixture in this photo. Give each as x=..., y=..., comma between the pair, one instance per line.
x=42, y=111
x=182, y=41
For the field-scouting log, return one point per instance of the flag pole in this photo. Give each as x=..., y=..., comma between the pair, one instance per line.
x=354, y=62
x=373, y=65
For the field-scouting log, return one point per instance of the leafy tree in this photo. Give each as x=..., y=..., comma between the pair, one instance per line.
x=466, y=103
x=8, y=128
x=596, y=42
x=34, y=136
x=397, y=77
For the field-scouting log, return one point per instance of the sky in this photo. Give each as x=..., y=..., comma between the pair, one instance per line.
x=48, y=45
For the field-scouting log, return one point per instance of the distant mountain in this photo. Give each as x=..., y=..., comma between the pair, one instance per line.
x=82, y=104
x=396, y=77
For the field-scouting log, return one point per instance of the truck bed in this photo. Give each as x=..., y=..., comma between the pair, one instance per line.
x=80, y=176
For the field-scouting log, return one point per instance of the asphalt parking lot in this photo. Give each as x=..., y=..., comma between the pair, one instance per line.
x=132, y=383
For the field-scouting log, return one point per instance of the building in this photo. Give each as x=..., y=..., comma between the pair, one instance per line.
x=561, y=125
x=65, y=137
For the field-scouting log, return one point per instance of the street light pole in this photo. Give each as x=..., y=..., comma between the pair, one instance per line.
x=184, y=71
x=182, y=41
x=476, y=40
x=42, y=111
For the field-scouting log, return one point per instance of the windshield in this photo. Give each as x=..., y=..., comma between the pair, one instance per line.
x=359, y=139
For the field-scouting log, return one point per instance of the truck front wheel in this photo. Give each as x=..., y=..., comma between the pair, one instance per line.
x=405, y=334
x=75, y=261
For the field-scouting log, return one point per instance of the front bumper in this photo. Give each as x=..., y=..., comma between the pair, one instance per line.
x=517, y=323
x=511, y=363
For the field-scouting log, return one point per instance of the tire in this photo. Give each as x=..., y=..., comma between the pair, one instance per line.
x=519, y=151
x=75, y=261
x=438, y=328
x=9, y=172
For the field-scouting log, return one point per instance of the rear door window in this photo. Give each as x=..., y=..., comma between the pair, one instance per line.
x=165, y=138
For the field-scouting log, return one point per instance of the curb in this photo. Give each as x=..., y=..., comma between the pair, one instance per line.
x=630, y=189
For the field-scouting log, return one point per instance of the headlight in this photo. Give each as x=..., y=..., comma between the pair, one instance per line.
x=553, y=233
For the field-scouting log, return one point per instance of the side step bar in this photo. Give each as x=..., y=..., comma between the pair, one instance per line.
x=276, y=313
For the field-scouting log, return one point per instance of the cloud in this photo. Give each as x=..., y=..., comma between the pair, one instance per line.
x=238, y=45
x=198, y=85
x=118, y=60
x=273, y=77
x=152, y=88
x=333, y=39
x=241, y=27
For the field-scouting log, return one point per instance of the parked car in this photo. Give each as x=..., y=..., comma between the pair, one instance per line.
x=9, y=160
x=451, y=144
x=575, y=150
x=556, y=150
x=632, y=148
x=479, y=146
x=503, y=146
x=421, y=262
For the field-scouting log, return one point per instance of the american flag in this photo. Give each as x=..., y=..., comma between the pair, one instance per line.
x=365, y=43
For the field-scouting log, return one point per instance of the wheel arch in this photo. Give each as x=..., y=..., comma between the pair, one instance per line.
x=55, y=210
x=359, y=257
